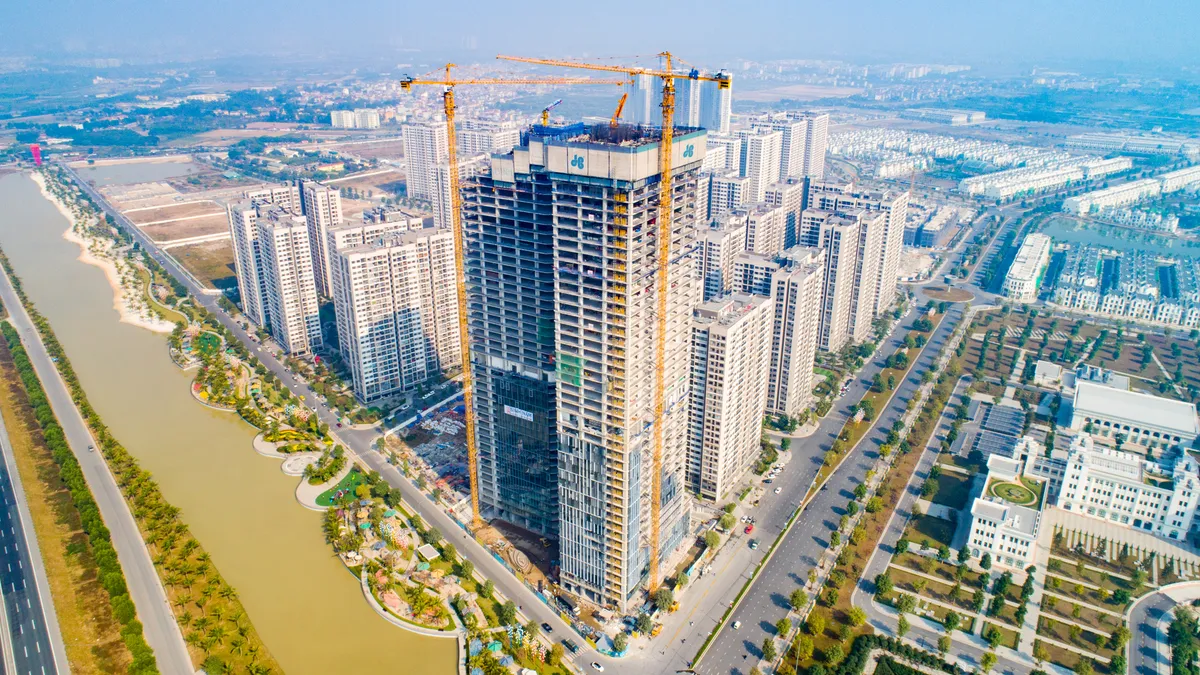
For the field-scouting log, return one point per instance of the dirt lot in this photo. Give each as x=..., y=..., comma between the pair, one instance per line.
x=209, y=180
x=530, y=544
x=183, y=229
x=210, y=262
x=383, y=150
x=175, y=211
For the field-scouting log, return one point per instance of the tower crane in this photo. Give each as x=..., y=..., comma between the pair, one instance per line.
x=546, y=112
x=448, y=83
x=620, y=108
x=668, y=75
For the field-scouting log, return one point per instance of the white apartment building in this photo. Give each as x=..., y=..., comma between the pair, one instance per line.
x=291, y=289
x=730, y=353
x=716, y=106
x=732, y=153
x=872, y=229
x=727, y=193
x=1146, y=421
x=1003, y=529
x=483, y=137
x=287, y=196
x=839, y=237
x=247, y=260
x=397, y=308
x=1127, y=489
x=716, y=159
x=359, y=118
x=759, y=162
x=1117, y=195
x=247, y=254
x=788, y=195
x=794, y=282
x=830, y=196
x=322, y=212
x=805, y=136
x=425, y=149
x=766, y=228
x=718, y=246
x=1025, y=274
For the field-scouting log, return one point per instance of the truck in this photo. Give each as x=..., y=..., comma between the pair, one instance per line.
x=567, y=604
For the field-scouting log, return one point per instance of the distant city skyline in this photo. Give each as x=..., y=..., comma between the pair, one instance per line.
x=1125, y=33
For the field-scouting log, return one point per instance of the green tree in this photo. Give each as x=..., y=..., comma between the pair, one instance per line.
x=644, y=623
x=663, y=598
x=816, y=624
x=768, y=649
x=902, y=626
x=987, y=662
x=798, y=599
x=951, y=621
x=783, y=626
x=803, y=647
x=620, y=642
x=883, y=584
x=711, y=540
x=834, y=654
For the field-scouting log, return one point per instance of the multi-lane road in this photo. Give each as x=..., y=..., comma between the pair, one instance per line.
x=33, y=644
x=161, y=630
x=736, y=651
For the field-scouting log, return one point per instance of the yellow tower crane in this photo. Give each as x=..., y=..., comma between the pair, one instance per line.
x=668, y=75
x=448, y=83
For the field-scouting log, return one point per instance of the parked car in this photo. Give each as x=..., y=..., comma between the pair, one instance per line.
x=753, y=544
x=548, y=628
x=749, y=529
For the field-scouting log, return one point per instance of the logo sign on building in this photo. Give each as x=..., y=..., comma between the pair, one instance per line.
x=690, y=150
x=517, y=412
x=577, y=162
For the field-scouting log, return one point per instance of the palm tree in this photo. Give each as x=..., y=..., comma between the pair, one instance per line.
x=202, y=623
x=183, y=599
x=193, y=638
x=227, y=592
x=237, y=645
x=185, y=619
x=219, y=633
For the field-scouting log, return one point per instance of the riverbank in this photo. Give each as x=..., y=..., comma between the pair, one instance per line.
x=241, y=508
x=129, y=296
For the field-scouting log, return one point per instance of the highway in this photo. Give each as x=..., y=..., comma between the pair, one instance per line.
x=34, y=643
x=154, y=611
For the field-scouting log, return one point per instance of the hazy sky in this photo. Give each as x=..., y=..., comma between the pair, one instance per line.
x=1044, y=32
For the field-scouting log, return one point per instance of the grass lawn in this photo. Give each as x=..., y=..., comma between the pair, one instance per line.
x=210, y=262
x=1062, y=632
x=944, y=571
x=350, y=482
x=953, y=490
x=174, y=316
x=941, y=592
x=1011, y=639
x=1069, y=569
x=1097, y=621
x=1067, y=588
x=1065, y=657
x=91, y=635
x=929, y=529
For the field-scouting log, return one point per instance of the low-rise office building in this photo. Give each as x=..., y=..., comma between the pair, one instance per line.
x=1130, y=490
x=1025, y=274
x=1147, y=421
x=1006, y=518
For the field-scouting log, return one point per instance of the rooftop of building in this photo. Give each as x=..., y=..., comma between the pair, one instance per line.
x=1095, y=400
x=728, y=310
x=1020, y=519
x=623, y=135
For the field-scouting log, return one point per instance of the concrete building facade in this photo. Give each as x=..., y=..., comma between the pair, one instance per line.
x=730, y=353
x=291, y=289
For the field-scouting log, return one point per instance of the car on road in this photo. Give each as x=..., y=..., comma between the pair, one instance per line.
x=749, y=529
x=753, y=544
x=571, y=646
x=599, y=668
x=548, y=628
x=737, y=625
x=91, y=448
x=778, y=490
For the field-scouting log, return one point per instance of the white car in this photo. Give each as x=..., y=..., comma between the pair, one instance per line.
x=778, y=490
x=737, y=625
x=599, y=668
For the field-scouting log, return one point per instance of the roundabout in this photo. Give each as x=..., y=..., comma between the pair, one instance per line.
x=1013, y=493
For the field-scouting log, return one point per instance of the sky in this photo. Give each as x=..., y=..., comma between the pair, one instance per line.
x=1026, y=32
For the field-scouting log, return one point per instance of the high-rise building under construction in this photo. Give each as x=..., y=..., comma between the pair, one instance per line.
x=591, y=197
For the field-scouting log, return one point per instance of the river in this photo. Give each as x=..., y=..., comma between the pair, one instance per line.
x=307, y=607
